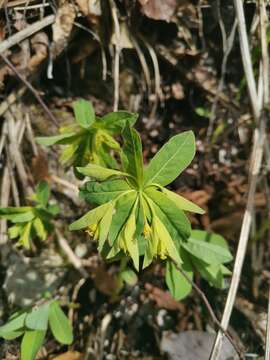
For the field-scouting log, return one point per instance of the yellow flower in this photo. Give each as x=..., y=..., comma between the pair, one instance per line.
x=91, y=230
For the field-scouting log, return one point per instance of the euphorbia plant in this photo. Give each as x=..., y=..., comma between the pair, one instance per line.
x=90, y=138
x=29, y=222
x=137, y=216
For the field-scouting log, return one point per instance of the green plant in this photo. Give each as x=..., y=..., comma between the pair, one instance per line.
x=138, y=217
x=31, y=221
x=90, y=139
x=33, y=325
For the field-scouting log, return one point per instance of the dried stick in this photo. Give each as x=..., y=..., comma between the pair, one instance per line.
x=267, y=345
x=210, y=309
x=25, y=33
x=255, y=165
x=72, y=257
x=31, y=88
x=246, y=58
x=116, y=55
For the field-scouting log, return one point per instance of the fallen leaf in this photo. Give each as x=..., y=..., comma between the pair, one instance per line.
x=163, y=298
x=69, y=355
x=158, y=9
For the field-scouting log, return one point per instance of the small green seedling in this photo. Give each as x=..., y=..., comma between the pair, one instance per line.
x=138, y=217
x=90, y=139
x=31, y=221
x=33, y=325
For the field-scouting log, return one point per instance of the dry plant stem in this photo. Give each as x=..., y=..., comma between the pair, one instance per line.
x=116, y=55
x=31, y=88
x=25, y=33
x=255, y=165
x=265, y=56
x=11, y=99
x=5, y=191
x=73, y=258
x=246, y=58
x=267, y=345
x=256, y=160
x=210, y=309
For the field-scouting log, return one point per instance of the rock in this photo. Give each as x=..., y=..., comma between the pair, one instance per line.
x=194, y=345
x=27, y=279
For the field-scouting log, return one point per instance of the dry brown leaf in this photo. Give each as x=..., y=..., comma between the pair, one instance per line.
x=39, y=44
x=105, y=282
x=62, y=27
x=163, y=298
x=39, y=168
x=69, y=355
x=158, y=9
x=89, y=7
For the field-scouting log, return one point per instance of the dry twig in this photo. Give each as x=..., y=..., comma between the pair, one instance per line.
x=25, y=33
x=31, y=88
x=255, y=165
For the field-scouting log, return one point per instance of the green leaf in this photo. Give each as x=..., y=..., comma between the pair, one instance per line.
x=105, y=224
x=37, y=319
x=131, y=154
x=210, y=237
x=12, y=335
x=53, y=209
x=40, y=229
x=25, y=236
x=206, y=251
x=14, y=210
x=129, y=276
x=84, y=113
x=99, y=172
x=116, y=121
x=178, y=285
x=13, y=325
x=171, y=159
x=131, y=244
x=123, y=208
x=31, y=343
x=56, y=139
x=210, y=272
x=99, y=193
x=165, y=246
x=92, y=217
x=59, y=324
x=176, y=216
x=43, y=193
x=19, y=217
x=15, y=230
x=182, y=203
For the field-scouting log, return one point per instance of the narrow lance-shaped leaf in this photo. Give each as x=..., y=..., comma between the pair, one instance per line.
x=59, y=324
x=99, y=172
x=131, y=244
x=171, y=159
x=12, y=325
x=43, y=193
x=92, y=217
x=132, y=154
x=182, y=203
x=56, y=139
x=37, y=319
x=31, y=343
x=176, y=216
x=99, y=193
x=84, y=113
x=177, y=283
